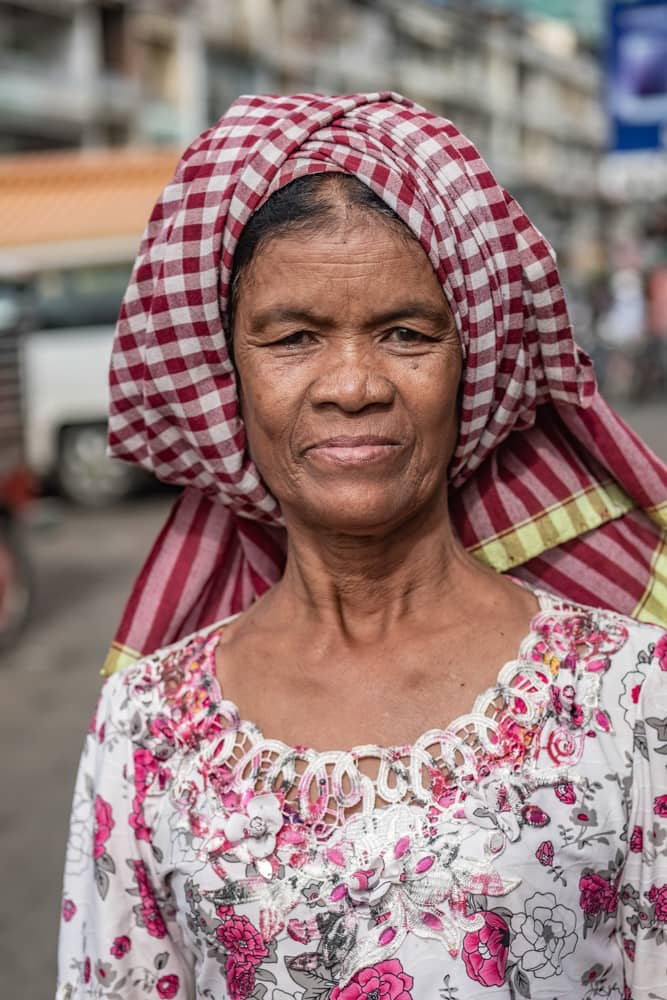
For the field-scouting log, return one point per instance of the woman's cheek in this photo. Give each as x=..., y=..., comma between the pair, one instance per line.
x=268, y=433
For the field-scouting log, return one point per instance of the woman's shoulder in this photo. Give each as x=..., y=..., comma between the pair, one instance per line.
x=611, y=659
x=170, y=695
x=584, y=630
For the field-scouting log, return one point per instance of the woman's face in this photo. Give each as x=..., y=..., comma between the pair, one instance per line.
x=349, y=365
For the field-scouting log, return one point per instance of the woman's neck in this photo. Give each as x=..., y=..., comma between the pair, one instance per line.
x=361, y=588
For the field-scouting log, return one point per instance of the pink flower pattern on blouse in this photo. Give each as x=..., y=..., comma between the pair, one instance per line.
x=499, y=856
x=485, y=951
x=103, y=826
x=661, y=652
x=384, y=981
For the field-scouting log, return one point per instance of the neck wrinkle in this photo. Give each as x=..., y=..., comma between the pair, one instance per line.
x=359, y=588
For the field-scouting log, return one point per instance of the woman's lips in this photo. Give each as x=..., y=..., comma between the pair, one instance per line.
x=346, y=450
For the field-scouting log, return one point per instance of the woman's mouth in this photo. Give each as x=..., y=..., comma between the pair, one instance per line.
x=352, y=450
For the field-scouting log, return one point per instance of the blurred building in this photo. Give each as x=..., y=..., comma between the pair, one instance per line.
x=524, y=85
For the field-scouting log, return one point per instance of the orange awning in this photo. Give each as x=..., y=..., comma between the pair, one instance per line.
x=78, y=197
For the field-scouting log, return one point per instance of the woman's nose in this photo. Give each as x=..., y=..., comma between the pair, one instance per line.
x=351, y=380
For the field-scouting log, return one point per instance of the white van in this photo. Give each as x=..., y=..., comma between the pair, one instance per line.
x=68, y=316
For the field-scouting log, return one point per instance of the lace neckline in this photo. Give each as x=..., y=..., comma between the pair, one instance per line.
x=229, y=710
x=324, y=789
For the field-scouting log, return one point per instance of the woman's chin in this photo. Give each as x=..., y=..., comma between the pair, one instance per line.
x=365, y=514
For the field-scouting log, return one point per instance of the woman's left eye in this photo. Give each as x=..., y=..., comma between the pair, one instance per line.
x=405, y=335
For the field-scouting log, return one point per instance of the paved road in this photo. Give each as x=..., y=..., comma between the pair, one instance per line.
x=85, y=563
x=48, y=687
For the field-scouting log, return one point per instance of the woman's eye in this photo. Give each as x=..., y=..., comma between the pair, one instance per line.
x=404, y=335
x=298, y=339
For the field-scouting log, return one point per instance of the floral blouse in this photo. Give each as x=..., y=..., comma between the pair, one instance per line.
x=520, y=853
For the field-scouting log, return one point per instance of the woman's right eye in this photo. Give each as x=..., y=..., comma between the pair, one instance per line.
x=298, y=339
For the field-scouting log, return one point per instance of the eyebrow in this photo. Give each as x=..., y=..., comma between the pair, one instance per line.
x=408, y=310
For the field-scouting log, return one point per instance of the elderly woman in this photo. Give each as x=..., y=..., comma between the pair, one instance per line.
x=398, y=773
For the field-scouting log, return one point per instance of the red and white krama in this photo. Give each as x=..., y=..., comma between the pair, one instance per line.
x=547, y=481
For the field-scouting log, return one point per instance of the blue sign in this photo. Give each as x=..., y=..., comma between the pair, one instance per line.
x=637, y=74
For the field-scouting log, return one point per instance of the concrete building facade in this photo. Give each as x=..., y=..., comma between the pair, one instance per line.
x=90, y=73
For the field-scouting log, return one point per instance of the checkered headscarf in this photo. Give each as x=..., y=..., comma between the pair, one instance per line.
x=174, y=401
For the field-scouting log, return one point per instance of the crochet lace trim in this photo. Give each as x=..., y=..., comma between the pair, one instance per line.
x=327, y=788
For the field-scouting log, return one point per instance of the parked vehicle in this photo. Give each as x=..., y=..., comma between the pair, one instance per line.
x=68, y=317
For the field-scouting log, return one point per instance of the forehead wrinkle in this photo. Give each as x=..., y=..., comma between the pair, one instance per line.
x=401, y=311
x=349, y=221
x=348, y=256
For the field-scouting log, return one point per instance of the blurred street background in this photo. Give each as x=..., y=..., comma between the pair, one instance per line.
x=567, y=101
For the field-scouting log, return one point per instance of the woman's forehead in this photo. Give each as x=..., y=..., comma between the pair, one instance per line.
x=363, y=256
x=346, y=233
x=355, y=236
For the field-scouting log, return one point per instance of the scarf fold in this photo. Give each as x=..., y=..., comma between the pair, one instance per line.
x=546, y=479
